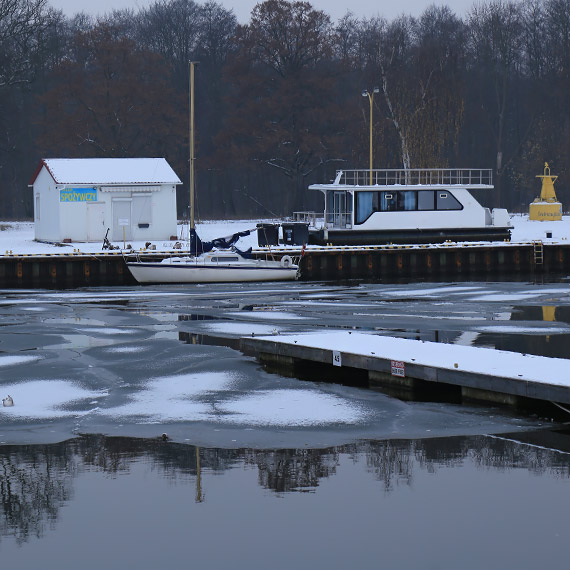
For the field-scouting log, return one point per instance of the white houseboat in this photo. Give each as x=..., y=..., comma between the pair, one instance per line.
x=408, y=206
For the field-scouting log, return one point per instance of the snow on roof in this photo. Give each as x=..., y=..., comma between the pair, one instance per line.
x=109, y=171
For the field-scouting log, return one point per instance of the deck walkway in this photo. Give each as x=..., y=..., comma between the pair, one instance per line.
x=479, y=373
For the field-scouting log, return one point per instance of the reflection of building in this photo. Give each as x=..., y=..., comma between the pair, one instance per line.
x=547, y=207
x=78, y=199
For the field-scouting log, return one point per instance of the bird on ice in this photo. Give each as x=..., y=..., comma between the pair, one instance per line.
x=7, y=402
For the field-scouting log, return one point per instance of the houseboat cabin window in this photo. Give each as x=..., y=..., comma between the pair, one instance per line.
x=366, y=203
x=402, y=201
x=426, y=200
x=446, y=201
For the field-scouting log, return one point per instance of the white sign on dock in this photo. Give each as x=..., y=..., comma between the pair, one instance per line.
x=337, y=359
x=123, y=221
x=398, y=368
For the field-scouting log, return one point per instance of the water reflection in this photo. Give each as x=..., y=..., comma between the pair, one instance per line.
x=36, y=481
x=548, y=313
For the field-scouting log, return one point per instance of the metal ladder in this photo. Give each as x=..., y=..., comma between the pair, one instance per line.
x=538, y=252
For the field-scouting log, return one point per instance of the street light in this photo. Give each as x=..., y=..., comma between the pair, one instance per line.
x=371, y=99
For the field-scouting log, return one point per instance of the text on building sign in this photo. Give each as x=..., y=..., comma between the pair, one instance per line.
x=78, y=195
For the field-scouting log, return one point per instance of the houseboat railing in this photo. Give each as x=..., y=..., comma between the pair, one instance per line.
x=339, y=220
x=473, y=177
x=306, y=217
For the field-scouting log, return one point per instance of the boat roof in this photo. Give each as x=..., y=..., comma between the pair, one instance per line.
x=410, y=179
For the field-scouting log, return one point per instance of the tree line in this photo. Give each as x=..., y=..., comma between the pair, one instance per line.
x=279, y=100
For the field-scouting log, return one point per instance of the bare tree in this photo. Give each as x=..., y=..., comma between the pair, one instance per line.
x=217, y=31
x=496, y=46
x=394, y=55
x=558, y=39
x=112, y=100
x=172, y=28
x=535, y=32
x=346, y=39
x=284, y=115
x=20, y=24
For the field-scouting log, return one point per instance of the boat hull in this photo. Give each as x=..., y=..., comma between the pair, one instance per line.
x=379, y=237
x=156, y=272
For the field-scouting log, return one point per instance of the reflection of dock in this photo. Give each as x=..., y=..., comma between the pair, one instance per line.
x=404, y=365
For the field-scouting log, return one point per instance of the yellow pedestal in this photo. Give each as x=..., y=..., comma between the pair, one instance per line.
x=547, y=207
x=543, y=211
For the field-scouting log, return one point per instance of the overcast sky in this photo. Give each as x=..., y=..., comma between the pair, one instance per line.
x=242, y=8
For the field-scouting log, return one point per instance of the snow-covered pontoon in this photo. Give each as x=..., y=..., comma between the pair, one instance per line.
x=408, y=206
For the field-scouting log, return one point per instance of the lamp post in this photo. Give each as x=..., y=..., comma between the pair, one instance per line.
x=192, y=157
x=370, y=96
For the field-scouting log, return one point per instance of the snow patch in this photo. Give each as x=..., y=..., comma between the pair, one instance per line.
x=273, y=315
x=12, y=360
x=107, y=330
x=505, y=297
x=173, y=398
x=291, y=408
x=505, y=329
x=126, y=349
x=241, y=329
x=46, y=399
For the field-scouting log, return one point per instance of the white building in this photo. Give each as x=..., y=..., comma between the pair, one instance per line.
x=78, y=199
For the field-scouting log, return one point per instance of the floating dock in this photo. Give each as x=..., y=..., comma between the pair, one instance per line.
x=411, y=368
x=453, y=261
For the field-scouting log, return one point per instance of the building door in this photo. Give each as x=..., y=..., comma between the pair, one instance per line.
x=96, y=227
x=121, y=209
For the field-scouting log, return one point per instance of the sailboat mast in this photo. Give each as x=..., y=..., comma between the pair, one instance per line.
x=192, y=157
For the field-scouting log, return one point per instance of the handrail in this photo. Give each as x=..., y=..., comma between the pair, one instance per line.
x=473, y=177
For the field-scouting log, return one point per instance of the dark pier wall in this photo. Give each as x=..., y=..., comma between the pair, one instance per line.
x=452, y=262
x=449, y=261
x=63, y=271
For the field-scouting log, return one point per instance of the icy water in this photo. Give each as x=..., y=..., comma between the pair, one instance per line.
x=258, y=470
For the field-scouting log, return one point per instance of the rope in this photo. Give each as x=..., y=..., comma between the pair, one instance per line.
x=561, y=407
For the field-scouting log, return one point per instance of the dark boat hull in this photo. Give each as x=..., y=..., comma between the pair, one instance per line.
x=378, y=237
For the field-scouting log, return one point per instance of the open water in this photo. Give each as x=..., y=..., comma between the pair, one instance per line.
x=257, y=470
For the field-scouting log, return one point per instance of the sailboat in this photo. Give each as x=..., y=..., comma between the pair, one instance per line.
x=218, y=261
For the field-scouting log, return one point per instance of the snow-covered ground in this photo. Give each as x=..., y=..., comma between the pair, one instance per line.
x=548, y=231
x=18, y=237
